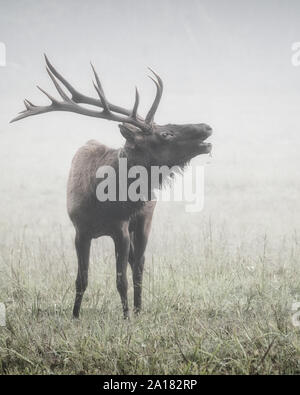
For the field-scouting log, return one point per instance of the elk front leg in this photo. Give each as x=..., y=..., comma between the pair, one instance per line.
x=138, y=243
x=122, y=245
x=137, y=261
x=83, y=245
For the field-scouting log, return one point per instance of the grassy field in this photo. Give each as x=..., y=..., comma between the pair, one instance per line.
x=208, y=308
x=218, y=287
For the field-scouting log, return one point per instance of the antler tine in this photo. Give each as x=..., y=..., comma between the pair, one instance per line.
x=100, y=91
x=53, y=100
x=136, y=104
x=75, y=94
x=32, y=105
x=159, y=90
x=27, y=105
x=158, y=78
x=31, y=109
x=102, y=99
x=57, y=86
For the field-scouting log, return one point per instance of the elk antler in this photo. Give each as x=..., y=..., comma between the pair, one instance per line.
x=109, y=112
x=159, y=91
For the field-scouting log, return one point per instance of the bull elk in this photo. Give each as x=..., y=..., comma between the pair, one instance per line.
x=147, y=144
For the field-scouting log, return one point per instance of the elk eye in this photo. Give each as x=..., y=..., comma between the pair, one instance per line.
x=167, y=135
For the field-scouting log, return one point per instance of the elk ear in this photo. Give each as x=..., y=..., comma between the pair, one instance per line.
x=130, y=133
x=127, y=133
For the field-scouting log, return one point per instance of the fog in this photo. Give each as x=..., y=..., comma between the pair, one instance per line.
x=225, y=63
x=221, y=286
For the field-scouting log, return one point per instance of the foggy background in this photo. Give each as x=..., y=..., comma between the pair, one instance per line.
x=225, y=63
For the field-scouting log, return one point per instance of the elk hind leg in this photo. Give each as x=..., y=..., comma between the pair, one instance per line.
x=138, y=245
x=122, y=245
x=83, y=245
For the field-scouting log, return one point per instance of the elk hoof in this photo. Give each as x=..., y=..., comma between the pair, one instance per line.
x=137, y=311
x=126, y=315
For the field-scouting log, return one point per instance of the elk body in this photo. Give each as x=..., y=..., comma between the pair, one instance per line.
x=147, y=144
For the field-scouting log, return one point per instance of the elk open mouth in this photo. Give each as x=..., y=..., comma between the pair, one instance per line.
x=197, y=147
x=204, y=146
x=207, y=147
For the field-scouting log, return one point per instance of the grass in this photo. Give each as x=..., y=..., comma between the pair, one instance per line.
x=209, y=308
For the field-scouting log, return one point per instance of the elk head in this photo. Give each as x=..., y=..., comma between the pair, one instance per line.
x=154, y=144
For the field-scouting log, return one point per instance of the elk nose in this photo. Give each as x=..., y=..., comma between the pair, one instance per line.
x=206, y=130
